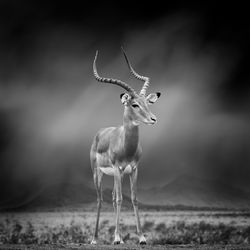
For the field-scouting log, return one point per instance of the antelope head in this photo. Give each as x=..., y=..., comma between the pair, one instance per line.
x=136, y=105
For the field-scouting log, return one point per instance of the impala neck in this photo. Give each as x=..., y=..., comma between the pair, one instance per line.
x=131, y=131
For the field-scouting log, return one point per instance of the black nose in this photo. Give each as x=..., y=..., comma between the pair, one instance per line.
x=153, y=119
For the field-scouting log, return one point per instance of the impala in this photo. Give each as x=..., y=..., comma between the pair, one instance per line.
x=116, y=151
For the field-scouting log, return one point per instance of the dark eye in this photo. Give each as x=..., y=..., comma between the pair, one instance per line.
x=135, y=105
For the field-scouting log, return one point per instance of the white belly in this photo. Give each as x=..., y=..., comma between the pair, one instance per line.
x=127, y=169
x=108, y=170
x=111, y=170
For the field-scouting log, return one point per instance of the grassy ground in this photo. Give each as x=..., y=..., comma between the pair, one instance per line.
x=163, y=230
x=126, y=247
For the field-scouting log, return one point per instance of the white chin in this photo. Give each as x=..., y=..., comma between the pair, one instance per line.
x=135, y=123
x=149, y=123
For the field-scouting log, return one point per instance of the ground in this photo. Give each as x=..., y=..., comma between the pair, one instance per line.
x=125, y=247
x=163, y=230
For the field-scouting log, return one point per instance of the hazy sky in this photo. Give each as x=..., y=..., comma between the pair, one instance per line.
x=51, y=106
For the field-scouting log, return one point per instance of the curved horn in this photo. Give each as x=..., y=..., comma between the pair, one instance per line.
x=142, y=78
x=110, y=80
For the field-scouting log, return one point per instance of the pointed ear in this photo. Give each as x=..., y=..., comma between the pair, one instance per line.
x=152, y=98
x=125, y=97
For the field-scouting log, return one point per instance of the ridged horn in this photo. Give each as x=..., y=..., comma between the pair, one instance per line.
x=142, y=78
x=110, y=80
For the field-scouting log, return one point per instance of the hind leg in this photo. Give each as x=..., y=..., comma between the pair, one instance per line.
x=97, y=175
x=118, y=192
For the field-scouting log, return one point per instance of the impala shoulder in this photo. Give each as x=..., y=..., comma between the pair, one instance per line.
x=139, y=149
x=116, y=134
x=138, y=152
x=102, y=139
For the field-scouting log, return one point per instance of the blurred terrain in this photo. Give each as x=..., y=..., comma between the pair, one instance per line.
x=192, y=191
x=166, y=228
x=185, y=191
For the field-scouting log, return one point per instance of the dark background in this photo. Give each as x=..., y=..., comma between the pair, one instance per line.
x=197, y=56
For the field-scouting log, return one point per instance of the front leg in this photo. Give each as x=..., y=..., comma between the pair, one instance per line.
x=118, y=191
x=133, y=185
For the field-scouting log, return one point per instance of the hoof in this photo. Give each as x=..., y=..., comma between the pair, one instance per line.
x=142, y=240
x=117, y=240
x=93, y=242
